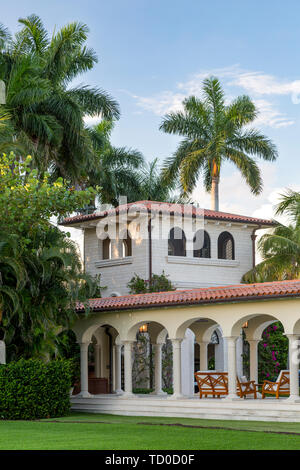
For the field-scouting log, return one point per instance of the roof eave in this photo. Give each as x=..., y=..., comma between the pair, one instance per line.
x=253, y=298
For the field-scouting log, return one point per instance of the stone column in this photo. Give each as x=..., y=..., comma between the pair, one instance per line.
x=84, y=373
x=176, y=343
x=294, y=368
x=231, y=354
x=253, y=345
x=158, y=370
x=2, y=353
x=128, y=369
x=118, y=368
x=97, y=360
x=203, y=355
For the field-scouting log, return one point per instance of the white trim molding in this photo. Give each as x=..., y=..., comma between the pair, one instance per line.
x=226, y=263
x=104, y=263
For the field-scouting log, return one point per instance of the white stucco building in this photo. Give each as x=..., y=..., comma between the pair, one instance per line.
x=204, y=253
x=194, y=247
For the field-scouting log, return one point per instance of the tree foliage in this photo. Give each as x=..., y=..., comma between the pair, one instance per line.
x=46, y=112
x=41, y=271
x=214, y=133
x=158, y=283
x=272, y=353
x=280, y=248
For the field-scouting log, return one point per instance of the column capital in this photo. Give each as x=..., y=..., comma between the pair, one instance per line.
x=84, y=345
x=176, y=340
x=292, y=336
x=127, y=341
x=253, y=340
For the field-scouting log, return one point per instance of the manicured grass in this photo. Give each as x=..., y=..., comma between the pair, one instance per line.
x=108, y=432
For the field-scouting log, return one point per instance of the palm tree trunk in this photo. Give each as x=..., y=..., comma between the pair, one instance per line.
x=215, y=193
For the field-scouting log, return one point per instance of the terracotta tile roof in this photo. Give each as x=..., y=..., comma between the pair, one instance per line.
x=173, y=209
x=239, y=292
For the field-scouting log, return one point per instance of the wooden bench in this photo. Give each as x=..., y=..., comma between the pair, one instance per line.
x=216, y=384
x=280, y=387
x=212, y=383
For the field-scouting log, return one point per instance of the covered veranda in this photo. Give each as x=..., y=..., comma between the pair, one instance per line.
x=171, y=314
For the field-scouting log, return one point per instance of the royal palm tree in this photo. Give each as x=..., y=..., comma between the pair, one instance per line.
x=117, y=169
x=215, y=132
x=280, y=249
x=123, y=172
x=45, y=109
x=153, y=186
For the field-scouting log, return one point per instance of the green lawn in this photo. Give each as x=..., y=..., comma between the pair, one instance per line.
x=97, y=431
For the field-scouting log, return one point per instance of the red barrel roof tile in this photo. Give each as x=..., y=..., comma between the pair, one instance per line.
x=239, y=292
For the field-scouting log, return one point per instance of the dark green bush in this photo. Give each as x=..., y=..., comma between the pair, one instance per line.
x=32, y=389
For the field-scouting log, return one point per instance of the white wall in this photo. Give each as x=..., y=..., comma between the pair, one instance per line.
x=185, y=272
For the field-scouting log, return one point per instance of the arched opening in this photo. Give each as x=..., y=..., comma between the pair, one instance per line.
x=264, y=347
x=100, y=372
x=106, y=248
x=152, y=358
x=127, y=246
x=226, y=246
x=202, y=348
x=201, y=243
x=176, y=242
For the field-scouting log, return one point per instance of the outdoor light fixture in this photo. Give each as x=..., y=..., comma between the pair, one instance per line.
x=245, y=325
x=143, y=328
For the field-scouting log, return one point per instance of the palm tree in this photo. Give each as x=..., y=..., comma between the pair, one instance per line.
x=12, y=276
x=153, y=186
x=123, y=172
x=46, y=111
x=214, y=133
x=53, y=282
x=280, y=249
x=117, y=169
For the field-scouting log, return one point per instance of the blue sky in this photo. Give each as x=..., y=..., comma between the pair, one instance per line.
x=154, y=53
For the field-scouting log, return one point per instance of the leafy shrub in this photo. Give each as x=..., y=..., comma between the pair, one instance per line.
x=159, y=283
x=143, y=391
x=31, y=389
x=272, y=352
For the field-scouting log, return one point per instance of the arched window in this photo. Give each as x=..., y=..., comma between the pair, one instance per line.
x=127, y=246
x=176, y=242
x=106, y=248
x=225, y=246
x=201, y=244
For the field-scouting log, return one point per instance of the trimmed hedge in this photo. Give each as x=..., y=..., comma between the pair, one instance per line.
x=32, y=389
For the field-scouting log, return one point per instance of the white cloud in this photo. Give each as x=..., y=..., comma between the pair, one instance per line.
x=92, y=121
x=263, y=84
x=257, y=84
x=270, y=116
x=235, y=195
x=162, y=103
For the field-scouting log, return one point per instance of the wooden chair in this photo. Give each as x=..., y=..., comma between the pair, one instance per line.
x=280, y=387
x=246, y=387
x=212, y=383
x=216, y=384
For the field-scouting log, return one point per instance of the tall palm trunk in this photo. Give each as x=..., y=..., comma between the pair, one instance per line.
x=215, y=193
x=215, y=186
